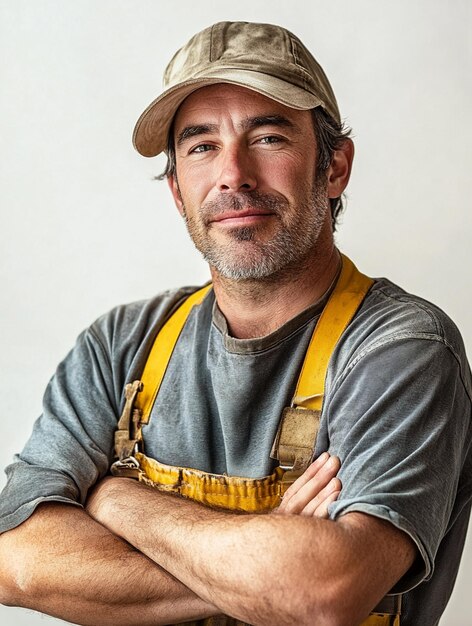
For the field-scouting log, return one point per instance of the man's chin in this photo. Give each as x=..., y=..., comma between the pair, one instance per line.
x=243, y=268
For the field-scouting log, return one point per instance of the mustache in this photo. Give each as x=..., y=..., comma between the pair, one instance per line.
x=240, y=201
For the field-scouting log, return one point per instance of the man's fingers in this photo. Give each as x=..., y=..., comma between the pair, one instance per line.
x=309, y=485
x=307, y=475
x=322, y=510
x=318, y=507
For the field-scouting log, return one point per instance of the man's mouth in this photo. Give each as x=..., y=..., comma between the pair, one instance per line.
x=242, y=217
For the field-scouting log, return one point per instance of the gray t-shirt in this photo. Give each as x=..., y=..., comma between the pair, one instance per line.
x=397, y=411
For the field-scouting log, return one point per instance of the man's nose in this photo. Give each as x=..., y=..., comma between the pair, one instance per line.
x=236, y=173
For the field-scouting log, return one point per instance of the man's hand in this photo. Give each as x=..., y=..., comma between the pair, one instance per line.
x=314, y=490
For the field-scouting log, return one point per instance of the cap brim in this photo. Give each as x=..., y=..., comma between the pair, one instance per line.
x=152, y=128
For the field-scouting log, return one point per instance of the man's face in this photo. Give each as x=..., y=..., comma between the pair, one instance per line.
x=246, y=182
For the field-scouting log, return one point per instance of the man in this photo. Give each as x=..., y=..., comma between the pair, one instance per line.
x=289, y=340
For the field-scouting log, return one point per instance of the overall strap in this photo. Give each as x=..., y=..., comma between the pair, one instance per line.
x=161, y=353
x=295, y=441
x=141, y=394
x=346, y=298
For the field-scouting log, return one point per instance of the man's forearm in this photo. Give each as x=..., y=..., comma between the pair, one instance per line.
x=258, y=567
x=63, y=563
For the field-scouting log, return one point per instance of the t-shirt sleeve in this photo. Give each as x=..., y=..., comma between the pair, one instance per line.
x=71, y=445
x=399, y=418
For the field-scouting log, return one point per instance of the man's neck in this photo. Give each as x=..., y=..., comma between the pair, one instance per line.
x=255, y=308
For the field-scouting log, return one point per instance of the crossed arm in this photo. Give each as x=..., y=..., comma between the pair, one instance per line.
x=138, y=556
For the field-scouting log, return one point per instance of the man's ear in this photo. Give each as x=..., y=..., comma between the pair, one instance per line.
x=175, y=191
x=339, y=171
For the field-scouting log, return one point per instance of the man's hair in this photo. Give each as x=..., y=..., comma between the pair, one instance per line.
x=330, y=135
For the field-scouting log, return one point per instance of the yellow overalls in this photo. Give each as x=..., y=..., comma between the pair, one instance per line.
x=295, y=440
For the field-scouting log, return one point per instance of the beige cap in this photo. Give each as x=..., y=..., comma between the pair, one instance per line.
x=268, y=59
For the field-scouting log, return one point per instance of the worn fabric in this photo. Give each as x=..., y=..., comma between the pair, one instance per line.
x=397, y=412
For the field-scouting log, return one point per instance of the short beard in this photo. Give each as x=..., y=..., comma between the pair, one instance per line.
x=288, y=249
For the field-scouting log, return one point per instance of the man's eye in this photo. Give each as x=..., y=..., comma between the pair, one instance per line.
x=203, y=147
x=270, y=139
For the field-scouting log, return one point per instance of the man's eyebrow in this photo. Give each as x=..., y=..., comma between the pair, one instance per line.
x=193, y=131
x=266, y=120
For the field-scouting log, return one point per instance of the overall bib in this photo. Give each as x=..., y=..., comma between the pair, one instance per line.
x=294, y=443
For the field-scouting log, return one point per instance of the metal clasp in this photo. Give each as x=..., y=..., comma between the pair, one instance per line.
x=128, y=467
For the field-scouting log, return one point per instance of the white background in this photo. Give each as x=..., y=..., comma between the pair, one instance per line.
x=84, y=227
